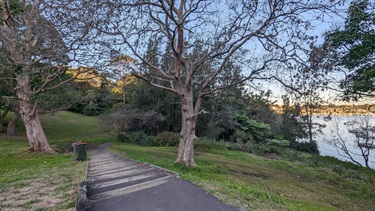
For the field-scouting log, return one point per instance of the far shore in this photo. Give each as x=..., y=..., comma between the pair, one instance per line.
x=344, y=114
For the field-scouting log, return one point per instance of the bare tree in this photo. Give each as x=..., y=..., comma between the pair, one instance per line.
x=361, y=145
x=259, y=35
x=38, y=40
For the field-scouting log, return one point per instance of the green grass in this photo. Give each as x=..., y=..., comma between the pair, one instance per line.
x=257, y=183
x=38, y=181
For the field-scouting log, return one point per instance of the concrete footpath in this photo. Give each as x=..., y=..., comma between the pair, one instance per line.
x=116, y=183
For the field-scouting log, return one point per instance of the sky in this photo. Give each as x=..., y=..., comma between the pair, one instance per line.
x=320, y=28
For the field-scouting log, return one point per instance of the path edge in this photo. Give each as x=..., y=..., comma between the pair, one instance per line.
x=83, y=188
x=82, y=191
x=164, y=169
x=161, y=168
x=82, y=197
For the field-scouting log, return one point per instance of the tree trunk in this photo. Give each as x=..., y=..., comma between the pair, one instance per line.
x=187, y=135
x=34, y=131
x=11, y=129
x=2, y=117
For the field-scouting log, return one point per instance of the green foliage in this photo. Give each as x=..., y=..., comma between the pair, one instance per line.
x=126, y=119
x=295, y=127
x=206, y=144
x=252, y=130
x=92, y=101
x=212, y=131
x=311, y=147
x=291, y=126
x=240, y=136
x=278, y=142
x=354, y=47
x=248, y=147
x=57, y=99
x=145, y=98
x=258, y=108
x=136, y=137
x=167, y=139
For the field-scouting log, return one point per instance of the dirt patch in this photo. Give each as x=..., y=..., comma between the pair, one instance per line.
x=47, y=202
x=36, y=194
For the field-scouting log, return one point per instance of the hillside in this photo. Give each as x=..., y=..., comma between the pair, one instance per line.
x=32, y=181
x=257, y=183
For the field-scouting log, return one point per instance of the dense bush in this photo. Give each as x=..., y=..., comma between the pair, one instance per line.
x=311, y=147
x=248, y=147
x=167, y=139
x=204, y=143
x=136, y=137
x=131, y=119
x=93, y=102
x=251, y=129
x=269, y=146
x=278, y=142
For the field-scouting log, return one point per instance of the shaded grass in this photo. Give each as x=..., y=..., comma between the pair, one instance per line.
x=38, y=181
x=257, y=183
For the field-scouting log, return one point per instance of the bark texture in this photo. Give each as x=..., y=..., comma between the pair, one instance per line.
x=34, y=131
x=187, y=134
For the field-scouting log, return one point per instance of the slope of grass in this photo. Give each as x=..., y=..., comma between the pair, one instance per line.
x=34, y=181
x=257, y=183
x=37, y=181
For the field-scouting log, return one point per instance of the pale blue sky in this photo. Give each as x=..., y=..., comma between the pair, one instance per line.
x=319, y=29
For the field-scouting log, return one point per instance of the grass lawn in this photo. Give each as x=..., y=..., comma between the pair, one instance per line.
x=35, y=181
x=258, y=183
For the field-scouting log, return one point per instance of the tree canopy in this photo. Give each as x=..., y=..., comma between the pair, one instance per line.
x=206, y=41
x=352, y=50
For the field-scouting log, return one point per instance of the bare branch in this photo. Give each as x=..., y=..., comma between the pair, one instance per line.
x=156, y=85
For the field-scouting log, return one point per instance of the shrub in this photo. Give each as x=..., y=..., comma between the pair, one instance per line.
x=252, y=147
x=213, y=131
x=131, y=119
x=252, y=129
x=122, y=137
x=204, y=143
x=167, y=139
x=311, y=147
x=248, y=147
x=136, y=137
x=278, y=142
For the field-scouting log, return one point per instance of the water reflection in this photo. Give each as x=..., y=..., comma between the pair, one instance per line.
x=329, y=133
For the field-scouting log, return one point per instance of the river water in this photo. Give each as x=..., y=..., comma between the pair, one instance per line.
x=336, y=127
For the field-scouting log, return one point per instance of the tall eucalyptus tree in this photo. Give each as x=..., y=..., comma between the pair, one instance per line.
x=38, y=40
x=268, y=37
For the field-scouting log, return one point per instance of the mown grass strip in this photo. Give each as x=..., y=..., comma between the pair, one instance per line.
x=38, y=181
x=257, y=183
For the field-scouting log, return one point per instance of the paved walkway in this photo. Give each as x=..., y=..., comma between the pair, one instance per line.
x=116, y=183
